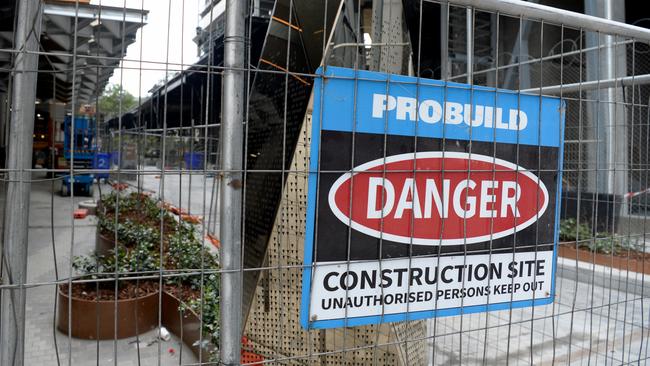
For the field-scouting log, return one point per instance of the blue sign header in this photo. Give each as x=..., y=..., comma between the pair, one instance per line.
x=410, y=106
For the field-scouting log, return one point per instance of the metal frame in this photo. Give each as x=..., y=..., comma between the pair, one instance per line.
x=270, y=101
x=555, y=16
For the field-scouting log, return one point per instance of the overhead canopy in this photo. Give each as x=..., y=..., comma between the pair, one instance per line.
x=193, y=94
x=88, y=60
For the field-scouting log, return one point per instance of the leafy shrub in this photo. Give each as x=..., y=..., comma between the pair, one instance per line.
x=614, y=244
x=118, y=209
x=130, y=202
x=571, y=230
x=186, y=252
x=597, y=242
x=119, y=261
x=208, y=307
x=130, y=233
x=137, y=227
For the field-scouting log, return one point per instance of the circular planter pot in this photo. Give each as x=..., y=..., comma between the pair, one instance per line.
x=103, y=244
x=184, y=324
x=89, y=205
x=100, y=207
x=92, y=319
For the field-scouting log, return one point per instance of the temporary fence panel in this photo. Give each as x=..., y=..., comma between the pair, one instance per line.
x=421, y=182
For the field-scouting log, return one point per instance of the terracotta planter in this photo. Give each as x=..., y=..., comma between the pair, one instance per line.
x=103, y=244
x=93, y=319
x=185, y=325
x=100, y=207
x=640, y=265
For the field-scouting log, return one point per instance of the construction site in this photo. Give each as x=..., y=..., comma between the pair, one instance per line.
x=331, y=182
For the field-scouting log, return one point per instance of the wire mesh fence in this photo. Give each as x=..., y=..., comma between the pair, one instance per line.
x=328, y=182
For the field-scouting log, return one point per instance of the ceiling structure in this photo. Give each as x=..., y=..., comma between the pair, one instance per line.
x=81, y=45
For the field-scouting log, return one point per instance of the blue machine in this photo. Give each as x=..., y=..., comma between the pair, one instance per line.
x=80, y=151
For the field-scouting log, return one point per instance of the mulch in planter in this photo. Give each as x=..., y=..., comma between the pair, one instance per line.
x=169, y=225
x=634, y=262
x=182, y=292
x=105, y=240
x=106, y=290
x=135, y=216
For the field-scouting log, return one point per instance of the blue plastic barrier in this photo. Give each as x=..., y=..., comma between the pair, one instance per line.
x=193, y=161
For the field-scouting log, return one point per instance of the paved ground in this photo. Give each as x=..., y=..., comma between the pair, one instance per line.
x=600, y=317
x=40, y=345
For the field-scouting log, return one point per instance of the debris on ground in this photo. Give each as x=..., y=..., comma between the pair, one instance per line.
x=164, y=334
x=80, y=213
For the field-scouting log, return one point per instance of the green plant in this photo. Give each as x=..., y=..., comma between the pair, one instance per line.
x=571, y=230
x=126, y=203
x=186, y=252
x=133, y=218
x=598, y=242
x=614, y=244
x=120, y=262
x=137, y=228
x=208, y=307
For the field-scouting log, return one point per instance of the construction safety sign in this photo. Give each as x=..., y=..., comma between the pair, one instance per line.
x=428, y=199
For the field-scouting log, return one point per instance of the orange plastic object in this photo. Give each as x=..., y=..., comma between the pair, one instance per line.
x=213, y=239
x=173, y=209
x=190, y=218
x=80, y=213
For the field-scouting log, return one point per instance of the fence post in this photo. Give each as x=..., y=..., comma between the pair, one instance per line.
x=230, y=223
x=19, y=158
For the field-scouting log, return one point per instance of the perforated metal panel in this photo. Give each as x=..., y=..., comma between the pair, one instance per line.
x=274, y=321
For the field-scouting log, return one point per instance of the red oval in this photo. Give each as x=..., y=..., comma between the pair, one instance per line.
x=438, y=198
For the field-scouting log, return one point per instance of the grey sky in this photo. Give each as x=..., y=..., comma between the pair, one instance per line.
x=154, y=51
